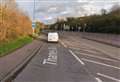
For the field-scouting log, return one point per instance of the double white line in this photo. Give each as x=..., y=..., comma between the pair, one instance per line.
x=87, y=60
x=108, y=77
x=77, y=58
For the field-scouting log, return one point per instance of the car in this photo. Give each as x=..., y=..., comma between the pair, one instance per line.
x=53, y=37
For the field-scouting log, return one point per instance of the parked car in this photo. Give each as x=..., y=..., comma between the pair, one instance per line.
x=53, y=37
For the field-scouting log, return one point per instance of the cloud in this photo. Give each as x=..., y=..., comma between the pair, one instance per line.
x=49, y=10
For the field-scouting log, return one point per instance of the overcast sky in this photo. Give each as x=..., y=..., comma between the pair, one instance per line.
x=48, y=10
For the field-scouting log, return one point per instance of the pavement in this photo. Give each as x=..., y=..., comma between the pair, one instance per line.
x=109, y=39
x=73, y=59
x=10, y=62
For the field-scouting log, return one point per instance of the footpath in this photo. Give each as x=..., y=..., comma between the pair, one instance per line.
x=16, y=60
x=113, y=40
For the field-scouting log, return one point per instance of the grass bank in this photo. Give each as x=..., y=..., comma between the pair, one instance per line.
x=5, y=48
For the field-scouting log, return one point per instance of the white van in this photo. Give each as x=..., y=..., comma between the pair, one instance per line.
x=53, y=37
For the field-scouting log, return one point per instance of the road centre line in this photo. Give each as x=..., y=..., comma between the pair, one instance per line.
x=108, y=77
x=100, y=63
x=77, y=57
x=96, y=56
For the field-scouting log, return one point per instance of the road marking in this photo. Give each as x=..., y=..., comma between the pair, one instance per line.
x=98, y=79
x=52, y=57
x=63, y=44
x=77, y=57
x=96, y=56
x=102, y=50
x=108, y=77
x=100, y=63
x=48, y=62
x=44, y=61
x=84, y=49
x=52, y=60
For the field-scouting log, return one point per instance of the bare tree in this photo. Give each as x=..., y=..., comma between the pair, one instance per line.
x=115, y=7
x=103, y=11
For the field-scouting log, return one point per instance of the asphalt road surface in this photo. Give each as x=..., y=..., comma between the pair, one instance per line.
x=73, y=59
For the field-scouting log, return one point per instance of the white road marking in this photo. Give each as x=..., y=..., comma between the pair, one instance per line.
x=51, y=63
x=48, y=62
x=51, y=60
x=96, y=56
x=52, y=57
x=44, y=61
x=98, y=79
x=77, y=57
x=100, y=63
x=100, y=49
x=63, y=44
x=108, y=77
x=84, y=49
x=92, y=51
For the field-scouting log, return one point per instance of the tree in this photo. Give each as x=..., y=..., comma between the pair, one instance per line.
x=115, y=7
x=39, y=27
x=103, y=11
x=17, y=26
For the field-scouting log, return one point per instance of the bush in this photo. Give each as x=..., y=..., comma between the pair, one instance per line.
x=14, y=24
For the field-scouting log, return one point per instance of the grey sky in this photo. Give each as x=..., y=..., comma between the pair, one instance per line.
x=48, y=10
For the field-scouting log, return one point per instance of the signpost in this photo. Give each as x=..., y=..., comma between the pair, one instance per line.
x=33, y=26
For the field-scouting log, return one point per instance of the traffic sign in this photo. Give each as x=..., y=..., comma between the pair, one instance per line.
x=33, y=25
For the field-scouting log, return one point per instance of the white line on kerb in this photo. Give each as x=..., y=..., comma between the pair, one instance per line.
x=77, y=57
x=98, y=80
x=109, y=77
x=100, y=63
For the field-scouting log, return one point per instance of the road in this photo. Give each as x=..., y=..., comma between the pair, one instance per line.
x=73, y=59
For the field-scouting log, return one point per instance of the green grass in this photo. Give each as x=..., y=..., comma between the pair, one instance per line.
x=5, y=48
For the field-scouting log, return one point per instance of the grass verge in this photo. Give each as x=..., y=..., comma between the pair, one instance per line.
x=5, y=48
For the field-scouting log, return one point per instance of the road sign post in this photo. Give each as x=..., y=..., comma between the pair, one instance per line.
x=33, y=26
